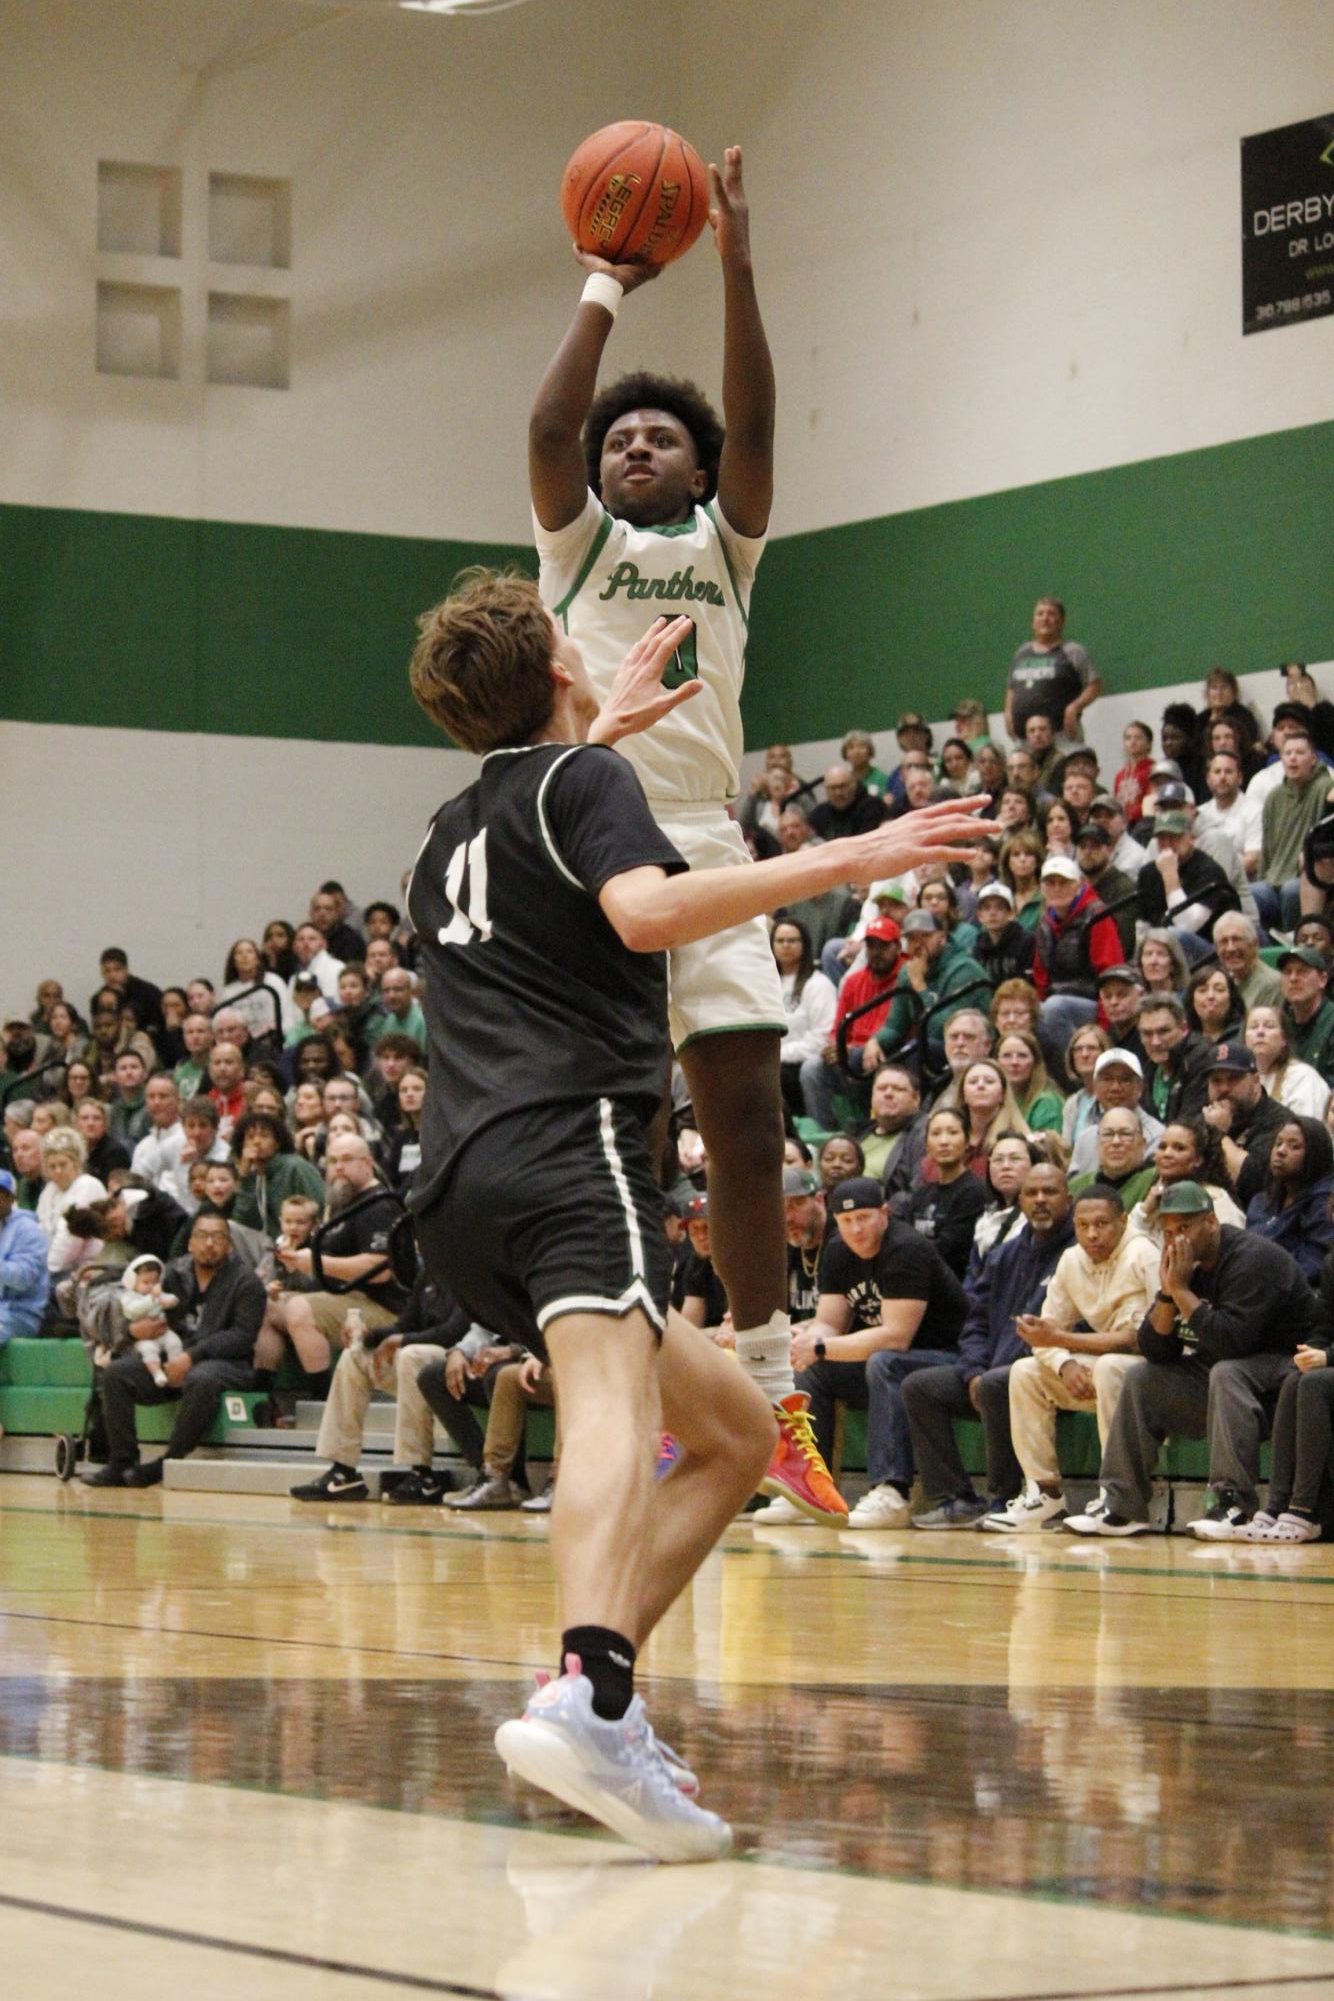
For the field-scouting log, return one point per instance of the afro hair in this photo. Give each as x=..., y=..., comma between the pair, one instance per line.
x=642, y=391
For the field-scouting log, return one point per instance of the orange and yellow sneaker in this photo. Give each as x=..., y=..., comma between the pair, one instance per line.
x=797, y=1473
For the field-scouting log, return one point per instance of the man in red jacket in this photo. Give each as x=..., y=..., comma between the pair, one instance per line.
x=1076, y=942
x=873, y=982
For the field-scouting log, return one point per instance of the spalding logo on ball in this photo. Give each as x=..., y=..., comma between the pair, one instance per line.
x=635, y=193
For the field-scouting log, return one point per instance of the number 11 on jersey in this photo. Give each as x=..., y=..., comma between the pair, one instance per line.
x=470, y=920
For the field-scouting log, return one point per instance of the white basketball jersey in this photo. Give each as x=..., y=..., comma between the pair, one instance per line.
x=606, y=582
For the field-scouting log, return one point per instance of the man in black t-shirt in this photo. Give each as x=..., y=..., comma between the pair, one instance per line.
x=544, y=898
x=316, y=1322
x=888, y=1306
x=703, y=1295
x=807, y=1223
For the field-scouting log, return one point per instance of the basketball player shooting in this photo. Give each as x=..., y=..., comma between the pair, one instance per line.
x=640, y=494
x=545, y=897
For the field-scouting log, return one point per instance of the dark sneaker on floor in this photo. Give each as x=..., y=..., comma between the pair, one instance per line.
x=335, y=1485
x=417, y=1489
x=1103, y=1522
x=955, y=1513
x=490, y=1495
x=1223, y=1520
x=109, y=1475
x=147, y=1474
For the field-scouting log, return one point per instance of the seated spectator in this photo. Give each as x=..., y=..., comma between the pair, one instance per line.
x=819, y=1075
x=1290, y=811
x=1012, y=1282
x=220, y=1305
x=1082, y=1340
x=970, y=878
x=916, y=778
x=381, y=958
x=1078, y=774
x=306, y=1118
x=1020, y=869
x=989, y=1108
x=127, y=986
x=1307, y=1012
x=1050, y=676
x=191, y=1072
x=127, y=1114
x=1318, y=931
x=1316, y=883
x=350, y=1054
x=25, y=1147
x=270, y=1170
x=1226, y=1312
x=946, y=1206
x=255, y=993
x=1004, y=949
x=956, y=767
x=1177, y=1085
x=888, y=1306
x=1121, y=999
x=391, y=1362
x=895, y=1104
x=276, y=947
x=1214, y=1006
x=480, y=1370
x=159, y=1156
x=1040, y=740
x=1014, y=1008
x=1189, y=1150
x=402, y=1014
x=937, y=894
x=1177, y=735
x=344, y=1094
x=1121, y=1160
x=1244, y=1116
x=394, y=1056
x=1182, y=886
x=1118, y=1081
x=1161, y=964
x=1223, y=703
x=25, y=1053
x=1293, y=1208
x=199, y=1122
x=1008, y=1163
x=762, y=808
x=858, y=751
x=988, y=767
x=807, y=1226
x=313, y=957
x=1303, y=1443
x=1021, y=771
x=200, y=994
x=1132, y=780
x=1295, y=1085
x=1076, y=940
x=1118, y=892
x=50, y=1114
x=914, y=741
x=340, y=939
x=702, y=1299
x=356, y=1250
x=25, y=1281
x=1056, y=829
x=403, y=1152
x=810, y=1002
x=841, y=1158
x=847, y=807
x=970, y=720
x=1229, y=812
x=226, y=1086
x=827, y=917
x=67, y=1185
x=934, y=982
x=359, y=1009
x=1040, y=1104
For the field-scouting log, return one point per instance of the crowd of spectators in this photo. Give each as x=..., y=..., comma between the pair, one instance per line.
x=1021, y=1058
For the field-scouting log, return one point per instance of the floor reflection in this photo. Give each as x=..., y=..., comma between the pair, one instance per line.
x=1212, y=1804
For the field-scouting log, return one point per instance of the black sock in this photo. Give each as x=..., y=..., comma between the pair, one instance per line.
x=320, y=1385
x=608, y=1660
x=264, y=1379
x=1307, y=1514
x=340, y=1466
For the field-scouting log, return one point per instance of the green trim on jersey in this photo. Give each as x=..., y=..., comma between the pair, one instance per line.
x=670, y=527
x=727, y=561
x=595, y=550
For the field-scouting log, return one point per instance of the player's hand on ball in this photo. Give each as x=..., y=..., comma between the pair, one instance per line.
x=729, y=211
x=628, y=276
x=638, y=698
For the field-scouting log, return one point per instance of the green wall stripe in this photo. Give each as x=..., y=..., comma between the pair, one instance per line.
x=1169, y=565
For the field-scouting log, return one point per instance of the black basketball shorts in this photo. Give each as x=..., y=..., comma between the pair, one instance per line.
x=550, y=1211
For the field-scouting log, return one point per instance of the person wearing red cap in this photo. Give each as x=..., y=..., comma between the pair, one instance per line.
x=873, y=982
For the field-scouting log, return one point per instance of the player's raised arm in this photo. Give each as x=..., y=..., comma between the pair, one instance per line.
x=746, y=469
x=557, y=476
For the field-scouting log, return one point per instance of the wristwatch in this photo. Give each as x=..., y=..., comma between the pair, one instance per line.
x=820, y=1351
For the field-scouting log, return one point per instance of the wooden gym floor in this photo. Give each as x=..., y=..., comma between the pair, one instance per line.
x=245, y=1749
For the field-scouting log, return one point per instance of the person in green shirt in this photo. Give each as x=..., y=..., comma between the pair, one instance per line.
x=859, y=752
x=402, y=1015
x=191, y=1073
x=1290, y=812
x=1020, y=1057
x=1307, y=1014
x=1121, y=1161
x=270, y=1171
x=932, y=985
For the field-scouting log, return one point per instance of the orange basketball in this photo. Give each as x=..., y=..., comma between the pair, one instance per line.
x=635, y=193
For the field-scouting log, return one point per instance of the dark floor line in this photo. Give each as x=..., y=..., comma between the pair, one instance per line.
x=985, y=1566
x=266, y=1640
x=420, y=1983
x=1268, y=1982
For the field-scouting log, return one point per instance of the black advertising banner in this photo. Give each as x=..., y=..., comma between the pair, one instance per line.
x=1287, y=225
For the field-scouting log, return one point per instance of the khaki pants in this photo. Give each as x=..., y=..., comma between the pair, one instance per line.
x=1038, y=1391
x=358, y=1375
x=330, y=1310
x=505, y=1421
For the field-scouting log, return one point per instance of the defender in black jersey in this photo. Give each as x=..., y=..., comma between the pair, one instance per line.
x=544, y=897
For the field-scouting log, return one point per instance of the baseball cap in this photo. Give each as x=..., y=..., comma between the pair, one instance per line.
x=7, y=1182
x=889, y=892
x=1107, y=802
x=1131, y=977
x=695, y=1208
x=1171, y=823
x=1292, y=712
x=306, y=981
x=800, y=1181
x=999, y=889
x=1125, y=1057
x=858, y=1192
x=1167, y=767
x=1174, y=793
x=1233, y=1057
x=1310, y=955
x=1061, y=865
x=885, y=929
x=919, y=921
x=321, y=1010
x=1091, y=831
x=1184, y=1198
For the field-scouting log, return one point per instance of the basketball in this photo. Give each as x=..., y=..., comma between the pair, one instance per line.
x=635, y=193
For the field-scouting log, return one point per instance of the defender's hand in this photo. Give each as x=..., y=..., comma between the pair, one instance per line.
x=729, y=211
x=638, y=698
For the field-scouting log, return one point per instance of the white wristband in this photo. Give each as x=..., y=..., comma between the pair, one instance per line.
x=602, y=290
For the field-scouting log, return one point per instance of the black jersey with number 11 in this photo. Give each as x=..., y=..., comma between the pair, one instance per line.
x=530, y=996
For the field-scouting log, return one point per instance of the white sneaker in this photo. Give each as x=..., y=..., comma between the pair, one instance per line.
x=882, y=1507
x=1027, y=1512
x=780, y=1514
x=615, y=1772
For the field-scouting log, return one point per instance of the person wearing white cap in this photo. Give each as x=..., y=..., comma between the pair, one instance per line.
x=1004, y=949
x=1074, y=941
x=1118, y=1079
